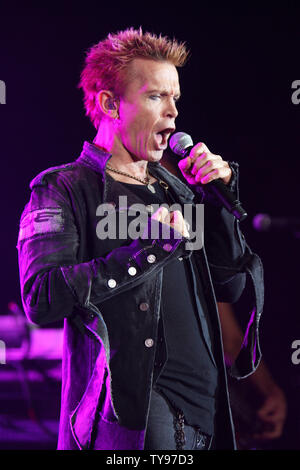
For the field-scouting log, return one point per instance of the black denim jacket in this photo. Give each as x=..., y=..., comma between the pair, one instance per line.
x=111, y=312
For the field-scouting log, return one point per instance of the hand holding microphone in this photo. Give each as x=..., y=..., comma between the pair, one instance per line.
x=200, y=166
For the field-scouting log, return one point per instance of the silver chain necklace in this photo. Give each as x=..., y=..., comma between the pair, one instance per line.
x=144, y=181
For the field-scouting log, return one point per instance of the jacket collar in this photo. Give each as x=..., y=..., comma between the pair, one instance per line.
x=96, y=159
x=93, y=157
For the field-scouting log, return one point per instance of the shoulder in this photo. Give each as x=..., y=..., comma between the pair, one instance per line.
x=41, y=178
x=73, y=173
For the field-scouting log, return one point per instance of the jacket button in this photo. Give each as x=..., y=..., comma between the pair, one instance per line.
x=144, y=306
x=151, y=258
x=149, y=342
x=132, y=271
x=111, y=283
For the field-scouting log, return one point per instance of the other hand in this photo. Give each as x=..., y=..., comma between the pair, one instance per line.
x=174, y=219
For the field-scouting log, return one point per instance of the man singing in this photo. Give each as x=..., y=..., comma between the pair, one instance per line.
x=143, y=364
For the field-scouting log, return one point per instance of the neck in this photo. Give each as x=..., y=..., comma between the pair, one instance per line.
x=107, y=139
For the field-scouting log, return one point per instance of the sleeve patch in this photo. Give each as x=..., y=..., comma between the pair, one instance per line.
x=40, y=221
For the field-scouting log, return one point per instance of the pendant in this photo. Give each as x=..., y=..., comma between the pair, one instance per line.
x=151, y=188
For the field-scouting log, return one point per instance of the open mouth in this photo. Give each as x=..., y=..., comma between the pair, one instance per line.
x=162, y=137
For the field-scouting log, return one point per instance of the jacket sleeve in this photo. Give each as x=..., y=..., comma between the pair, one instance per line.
x=226, y=251
x=225, y=245
x=52, y=279
x=231, y=260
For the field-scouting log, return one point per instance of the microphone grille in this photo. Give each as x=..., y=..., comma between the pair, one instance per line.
x=179, y=142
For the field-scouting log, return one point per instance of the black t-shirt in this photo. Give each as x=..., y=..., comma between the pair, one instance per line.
x=189, y=378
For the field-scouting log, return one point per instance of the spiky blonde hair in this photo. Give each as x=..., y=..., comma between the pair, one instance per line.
x=106, y=63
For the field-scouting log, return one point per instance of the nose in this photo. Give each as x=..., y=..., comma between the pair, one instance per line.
x=171, y=110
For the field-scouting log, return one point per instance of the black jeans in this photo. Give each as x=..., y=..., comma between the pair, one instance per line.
x=161, y=429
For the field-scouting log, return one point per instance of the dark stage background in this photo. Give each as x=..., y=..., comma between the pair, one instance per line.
x=236, y=97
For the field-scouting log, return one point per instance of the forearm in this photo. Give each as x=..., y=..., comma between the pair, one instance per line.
x=53, y=282
x=262, y=380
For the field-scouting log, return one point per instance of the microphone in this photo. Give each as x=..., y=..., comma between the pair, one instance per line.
x=266, y=223
x=181, y=144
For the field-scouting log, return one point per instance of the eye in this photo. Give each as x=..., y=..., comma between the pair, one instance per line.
x=154, y=97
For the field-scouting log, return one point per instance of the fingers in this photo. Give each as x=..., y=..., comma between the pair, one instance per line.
x=178, y=223
x=274, y=408
x=207, y=167
x=202, y=166
x=272, y=414
x=186, y=163
x=174, y=219
x=197, y=150
x=161, y=215
x=272, y=428
x=265, y=435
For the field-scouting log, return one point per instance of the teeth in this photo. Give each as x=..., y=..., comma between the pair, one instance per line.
x=163, y=133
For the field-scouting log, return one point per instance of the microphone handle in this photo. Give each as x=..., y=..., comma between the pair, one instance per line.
x=221, y=191
x=227, y=198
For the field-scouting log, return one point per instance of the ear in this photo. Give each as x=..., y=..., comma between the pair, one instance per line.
x=108, y=104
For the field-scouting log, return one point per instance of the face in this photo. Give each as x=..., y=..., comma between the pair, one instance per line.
x=148, y=108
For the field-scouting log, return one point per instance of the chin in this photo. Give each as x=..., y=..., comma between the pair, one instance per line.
x=155, y=156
